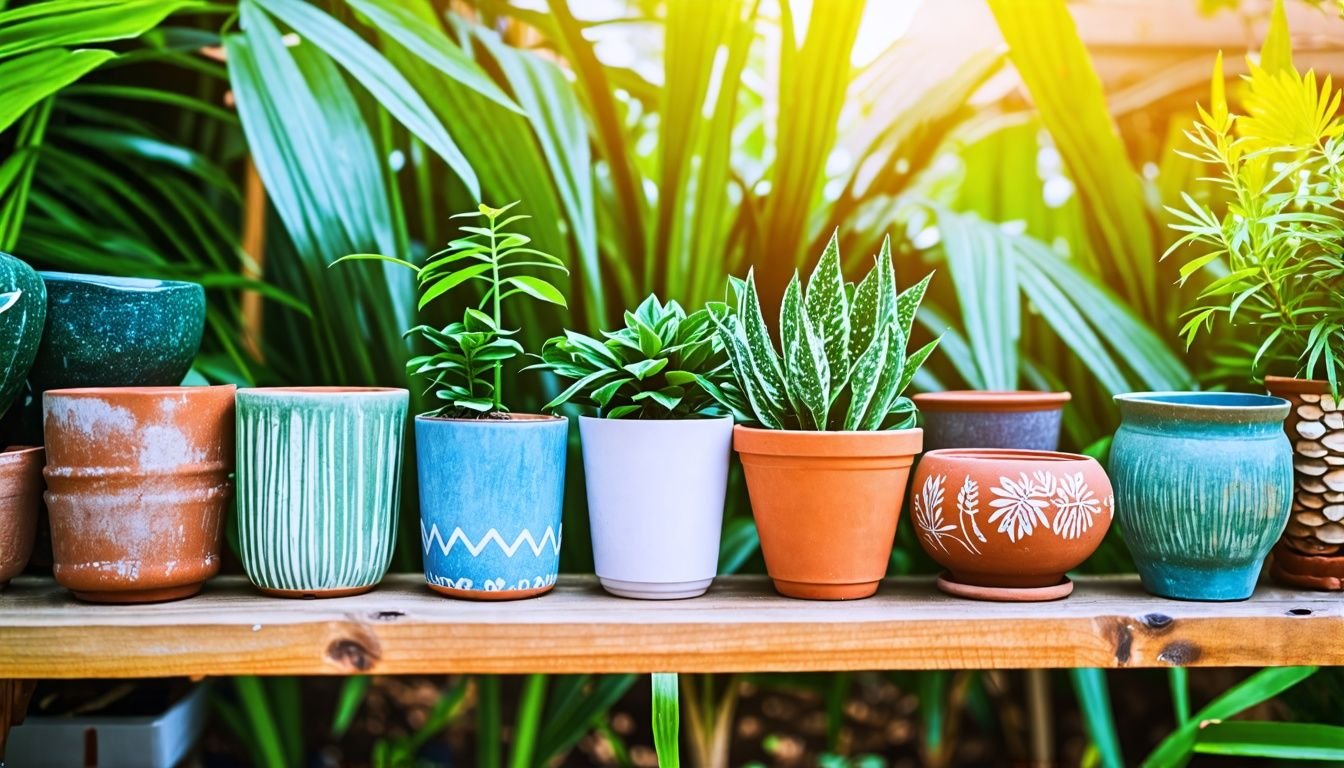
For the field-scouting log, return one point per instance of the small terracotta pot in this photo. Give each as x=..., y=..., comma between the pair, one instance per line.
x=1310, y=554
x=20, y=494
x=1008, y=524
x=826, y=505
x=990, y=419
x=137, y=485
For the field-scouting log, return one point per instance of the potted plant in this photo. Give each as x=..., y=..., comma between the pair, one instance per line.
x=829, y=438
x=655, y=456
x=1275, y=229
x=491, y=481
x=319, y=486
x=1009, y=524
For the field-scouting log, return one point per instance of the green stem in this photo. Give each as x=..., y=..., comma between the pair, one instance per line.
x=529, y=718
x=494, y=273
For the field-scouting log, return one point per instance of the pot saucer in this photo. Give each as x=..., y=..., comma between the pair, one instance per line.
x=1005, y=594
x=1294, y=569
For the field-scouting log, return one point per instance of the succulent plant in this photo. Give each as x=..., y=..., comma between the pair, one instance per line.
x=843, y=362
x=650, y=369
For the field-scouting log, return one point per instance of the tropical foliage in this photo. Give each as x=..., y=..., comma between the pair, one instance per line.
x=1278, y=240
x=843, y=364
x=661, y=365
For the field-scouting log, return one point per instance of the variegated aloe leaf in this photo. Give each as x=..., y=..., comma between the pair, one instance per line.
x=907, y=303
x=888, y=383
x=806, y=355
x=886, y=288
x=827, y=310
x=914, y=361
x=790, y=329
x=735, y=347
x=864, y=378
x=764, y=360
x=863, y=313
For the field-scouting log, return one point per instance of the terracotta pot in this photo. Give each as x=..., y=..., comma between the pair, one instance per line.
x=989, y=419
x=319, y=487
x=20, y=495
x=137, y=485
x=826, y=505
x=1008, y=524
x=1310, y=554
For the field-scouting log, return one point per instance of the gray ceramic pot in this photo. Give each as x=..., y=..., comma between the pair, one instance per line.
x=972, y=419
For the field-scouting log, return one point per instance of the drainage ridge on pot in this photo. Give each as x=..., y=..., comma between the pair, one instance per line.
x=1009, y=524
x=826, y=505
x=655, y=498
x=319, y=485
x=1311, y=553
x=21, y=481
x=106, y=331
x=491, y=498
x=1203, y=483
x=137, y=485
x=992, y=419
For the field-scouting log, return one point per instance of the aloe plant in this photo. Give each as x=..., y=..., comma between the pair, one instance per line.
x=843, y=364
x=650, y=369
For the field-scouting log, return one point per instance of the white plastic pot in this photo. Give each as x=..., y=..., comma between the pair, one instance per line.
x=655, y=503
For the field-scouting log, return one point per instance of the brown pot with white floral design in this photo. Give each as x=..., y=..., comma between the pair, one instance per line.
x=1009, y=524
x=1310, y=554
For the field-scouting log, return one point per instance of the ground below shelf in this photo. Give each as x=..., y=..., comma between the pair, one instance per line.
x=741, y=625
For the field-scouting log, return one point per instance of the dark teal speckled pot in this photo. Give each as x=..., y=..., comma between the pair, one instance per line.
x=1203, y=482
x=23, y=312
x=117, y=332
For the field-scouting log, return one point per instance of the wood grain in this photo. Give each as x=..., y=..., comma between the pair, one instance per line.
x=741, y=625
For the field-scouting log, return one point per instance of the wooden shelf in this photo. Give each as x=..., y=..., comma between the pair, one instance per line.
x=741, y=625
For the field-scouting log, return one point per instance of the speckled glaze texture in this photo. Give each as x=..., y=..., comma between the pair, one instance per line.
x=987, y=419
x=1311, y=553
x=319, y=483
x=1203, y=483
x=491, y=496
x=137, y=486
x=1010, y=519
x=117, y=332
x=20, y=494
x=23, y=314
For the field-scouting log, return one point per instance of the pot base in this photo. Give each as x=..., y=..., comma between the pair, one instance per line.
x=655, y=590
x=1199, y=583
x=132, y=596
x=1005, y=594
x=804, y=590
x=1294, y=569
x=311, y=594
x=488, y=596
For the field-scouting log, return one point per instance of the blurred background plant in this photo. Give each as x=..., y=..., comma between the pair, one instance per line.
x=1023, y=148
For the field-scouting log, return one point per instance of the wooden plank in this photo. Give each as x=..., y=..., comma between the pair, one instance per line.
x=741, y=625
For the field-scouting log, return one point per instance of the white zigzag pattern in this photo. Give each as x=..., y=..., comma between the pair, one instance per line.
x=433, y=536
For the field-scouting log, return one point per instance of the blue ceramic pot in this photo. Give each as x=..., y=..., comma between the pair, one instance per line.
x=1203, y=482
x=117, y=332
x=491, y=496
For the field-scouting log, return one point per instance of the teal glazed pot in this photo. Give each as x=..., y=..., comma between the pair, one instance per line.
x=117, y=332
x=319, y=486
x=23, y=314
x=491, y=495
x=1203, y=483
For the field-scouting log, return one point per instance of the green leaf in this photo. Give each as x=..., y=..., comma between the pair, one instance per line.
x=827, y=310
x=1276, y=55
x=666, y=718
x=442, y=285
x=888, y=382
x=645, y=368
x=78, y=22
x=764, y=362
x=31, y=78
x=913, y=363
x=375, y=257
x=382, y=80
x=907, y=304
x=863, y=380
x=1273, y=740
x=1094, y=699
x=806, y=358
x=536, y=288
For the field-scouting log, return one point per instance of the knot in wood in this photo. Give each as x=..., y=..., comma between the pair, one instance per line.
x=352, y=654
x=1157, y=622
x=387, y=615
x=1299, y=611
x=1179, y=653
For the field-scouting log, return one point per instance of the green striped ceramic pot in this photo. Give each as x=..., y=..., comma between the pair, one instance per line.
x=319, y=483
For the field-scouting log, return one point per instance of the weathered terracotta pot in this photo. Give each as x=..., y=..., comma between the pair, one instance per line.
x=137, y=485
x=1008, y=524
x=20, y=494
x=1310, y=554
x=826, y=505
x=991, y=419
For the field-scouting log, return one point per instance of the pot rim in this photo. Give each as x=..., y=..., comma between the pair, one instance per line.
x=997, y=455
x=148, y=392
x=991, y=400
x=515, y=419
x=823, y=444
x=1244, y=405
x=116, y=282
x=1295, y=385
x=320, y=392
x=15, y=454
x=706, y=419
